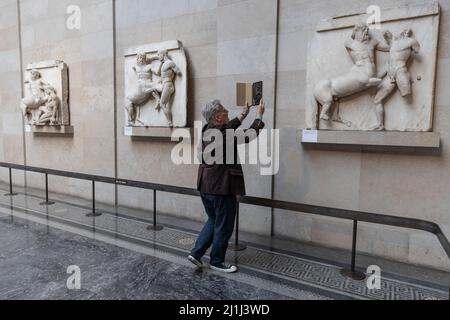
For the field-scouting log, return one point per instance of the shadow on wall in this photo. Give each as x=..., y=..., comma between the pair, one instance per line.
x=190, y=93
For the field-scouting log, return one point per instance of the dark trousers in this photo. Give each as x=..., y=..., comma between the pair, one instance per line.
x=221, y=211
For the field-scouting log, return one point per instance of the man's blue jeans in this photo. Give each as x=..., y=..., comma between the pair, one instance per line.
x=221, y=211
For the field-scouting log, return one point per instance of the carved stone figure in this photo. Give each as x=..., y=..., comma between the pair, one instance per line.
x=36, y=98
x=168, y=70
x=46, y=101
x=146, y=87
x=49, y=113
x=397, y=74
x=42, y=97
x=361, y=76
x=365, y=89
x=156, y=85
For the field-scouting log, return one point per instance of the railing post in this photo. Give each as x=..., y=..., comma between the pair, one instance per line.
x=94, y=213
x=11, y=193
x=237, y=246
x=47, y=202
x=154, y=226
x=352, y=273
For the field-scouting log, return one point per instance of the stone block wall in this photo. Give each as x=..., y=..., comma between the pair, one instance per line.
x=402, y=184
x=11, y=125
x=226, y=41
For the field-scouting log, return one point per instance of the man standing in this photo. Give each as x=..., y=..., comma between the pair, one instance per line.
x=219, y=184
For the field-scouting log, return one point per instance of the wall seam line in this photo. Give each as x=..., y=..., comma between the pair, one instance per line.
x=272, y=215
x=116, y=170
x=21, y=69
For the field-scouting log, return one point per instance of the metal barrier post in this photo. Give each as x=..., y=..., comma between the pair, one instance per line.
x=47, y=202
x=154, y=226
x=94, y=213
x=352, y=273
x=237, y=246
x=11, y=193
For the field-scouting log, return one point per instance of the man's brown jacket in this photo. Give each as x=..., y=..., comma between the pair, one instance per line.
x=224, y=179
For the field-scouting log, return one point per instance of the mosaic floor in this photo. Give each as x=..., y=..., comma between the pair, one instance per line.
x=120, y=259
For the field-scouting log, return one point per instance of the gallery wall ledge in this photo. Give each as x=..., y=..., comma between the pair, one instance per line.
x=50, y=130
x=160, y=133
x=390, y=140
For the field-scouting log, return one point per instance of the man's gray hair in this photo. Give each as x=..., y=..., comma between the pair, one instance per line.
x=210, y=109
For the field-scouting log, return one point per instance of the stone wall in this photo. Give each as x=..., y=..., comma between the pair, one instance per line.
x=11, y=136
x=222, y=48
x=89, y=54
x=225, y=41
x=408, y=185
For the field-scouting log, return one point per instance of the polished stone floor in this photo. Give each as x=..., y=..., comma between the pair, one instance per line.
x=34, y=260
x=120, y=259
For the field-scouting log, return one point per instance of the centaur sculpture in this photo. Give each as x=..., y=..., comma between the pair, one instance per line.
x=362, y=75
x=42, y=98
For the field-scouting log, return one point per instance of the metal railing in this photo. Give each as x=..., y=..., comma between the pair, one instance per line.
x=355, y=216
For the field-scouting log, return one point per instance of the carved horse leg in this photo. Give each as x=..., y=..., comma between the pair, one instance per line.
x=324, y=97
x=131, y=111
x=337, y=115
x=138, y=117
x=325, y=113
x=28, y=105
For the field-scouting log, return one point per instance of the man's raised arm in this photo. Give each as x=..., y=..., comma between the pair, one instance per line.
x=384, y=43
x=255, y=128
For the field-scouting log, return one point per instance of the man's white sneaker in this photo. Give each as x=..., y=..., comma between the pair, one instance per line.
x=224, y=267
x=197, y=263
